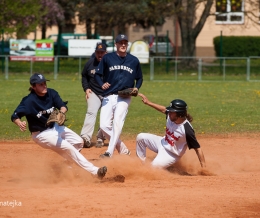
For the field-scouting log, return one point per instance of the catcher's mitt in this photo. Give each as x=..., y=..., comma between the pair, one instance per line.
x=56, y=116
x=128, y=92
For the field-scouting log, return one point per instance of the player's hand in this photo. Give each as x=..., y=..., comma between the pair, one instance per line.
x=144, y=98
x=22, y=125
x=105, y=86
x=88, y=92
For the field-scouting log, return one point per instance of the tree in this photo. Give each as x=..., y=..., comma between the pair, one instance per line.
x=107, y=14
x=191, y=23
x=153, y=14
x=110, y=14
x=20, y=16
x=192, y=20
x=69, y=9
x=54, y=15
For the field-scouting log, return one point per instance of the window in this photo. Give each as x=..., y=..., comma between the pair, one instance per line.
x=229, y=12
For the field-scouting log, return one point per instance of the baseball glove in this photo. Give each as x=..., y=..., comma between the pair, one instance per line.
x=57, y=116
x=128, y=92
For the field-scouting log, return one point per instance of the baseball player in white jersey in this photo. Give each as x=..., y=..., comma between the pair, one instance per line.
x=37, y=107
x=119, y=71
x=179, y=136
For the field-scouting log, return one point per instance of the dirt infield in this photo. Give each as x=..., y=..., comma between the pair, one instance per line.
x=37, y=183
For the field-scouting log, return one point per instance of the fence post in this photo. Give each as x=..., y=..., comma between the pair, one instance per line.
x=248, y=69
x=167, y=52
x=31, y=66
x=152, y=68
x=55, y=67
x=199, y=69
x=2, y=49
x=224, y=69
x=79, y=66
x=6, y=67
x=176, y=68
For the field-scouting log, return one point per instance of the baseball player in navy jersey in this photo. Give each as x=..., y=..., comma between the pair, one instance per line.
x=93, y=97
x=179, y=136
x=119, y=71
x=37, y=107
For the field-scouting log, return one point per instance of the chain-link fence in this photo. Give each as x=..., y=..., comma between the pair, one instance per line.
x=159, y=68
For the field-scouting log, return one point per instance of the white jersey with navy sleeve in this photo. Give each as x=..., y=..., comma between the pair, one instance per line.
x=169, y=148
x=178, y=137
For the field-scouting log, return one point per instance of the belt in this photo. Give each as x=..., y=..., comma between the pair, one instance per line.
x=112, y=93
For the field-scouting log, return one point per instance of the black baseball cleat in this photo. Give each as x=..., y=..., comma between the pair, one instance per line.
x=101, y=172
x=105, y=155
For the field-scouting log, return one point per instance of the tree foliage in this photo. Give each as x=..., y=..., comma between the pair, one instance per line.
x=54, y=15
x=107, y=14
x=20, y=16
x=154, y=14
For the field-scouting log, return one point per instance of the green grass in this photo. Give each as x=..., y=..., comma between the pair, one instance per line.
x=217, y=107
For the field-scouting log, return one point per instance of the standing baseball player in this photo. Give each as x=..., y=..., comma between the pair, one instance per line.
x=119, y=71
x=93, y=97
x=37, y=107
x=179, y=136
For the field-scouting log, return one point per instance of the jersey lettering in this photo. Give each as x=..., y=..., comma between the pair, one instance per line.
x=170, y=137
x=121, y=67
x=48, y=111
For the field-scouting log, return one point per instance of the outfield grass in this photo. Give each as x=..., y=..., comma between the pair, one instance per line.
x=217, y=107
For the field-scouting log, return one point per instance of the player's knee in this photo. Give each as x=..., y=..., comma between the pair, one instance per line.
x=91, y=113
x=105, y=128
x=140, y=137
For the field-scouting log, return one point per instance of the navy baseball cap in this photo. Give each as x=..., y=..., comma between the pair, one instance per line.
x=37, y=78
x=101, y=47
x=121, y=37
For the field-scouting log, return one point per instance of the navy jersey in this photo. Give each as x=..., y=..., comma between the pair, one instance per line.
x=88, y=81
x=37, y=109
x=119, y=72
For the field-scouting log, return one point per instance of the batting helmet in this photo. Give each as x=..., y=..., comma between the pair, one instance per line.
x=177, y=105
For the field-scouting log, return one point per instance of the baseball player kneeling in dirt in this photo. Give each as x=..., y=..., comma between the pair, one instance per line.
x=40, y=108
x=179, y=135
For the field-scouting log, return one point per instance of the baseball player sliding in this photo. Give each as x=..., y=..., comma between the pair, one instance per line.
x=179, y=136
x=120, y=71
x=38, y=107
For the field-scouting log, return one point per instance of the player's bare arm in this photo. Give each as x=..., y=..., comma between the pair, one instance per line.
x=21, y=124
x=158, y=107
x=88, y=92
x=105, y=86
x=201, y=157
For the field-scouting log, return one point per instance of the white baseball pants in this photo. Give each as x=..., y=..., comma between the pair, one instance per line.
x=163, y=159
x=66, y=143
x=112, y=117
